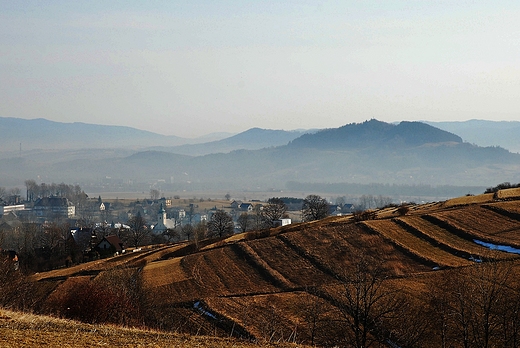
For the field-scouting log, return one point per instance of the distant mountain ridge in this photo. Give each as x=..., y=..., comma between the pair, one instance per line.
x=485, y=133
x=370, y=152
x=44, y=134
x=49, y=135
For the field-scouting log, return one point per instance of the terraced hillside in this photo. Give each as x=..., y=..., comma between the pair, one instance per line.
x=294, y=283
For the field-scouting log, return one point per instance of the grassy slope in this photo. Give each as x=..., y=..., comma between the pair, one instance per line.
x=28, y=330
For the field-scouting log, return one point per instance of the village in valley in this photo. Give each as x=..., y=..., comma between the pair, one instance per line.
x=56, y=226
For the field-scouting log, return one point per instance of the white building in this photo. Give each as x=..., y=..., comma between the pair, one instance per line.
x=49, y=207
x=282, y=222
x=6, y=209
x=163, y=223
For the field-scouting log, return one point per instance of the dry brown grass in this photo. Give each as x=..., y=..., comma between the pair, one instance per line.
x=451, y=240
x=293, y=267
x=508, y=207
x=465, y=200
x=279, y=316
x=508, y=193
x=28, y=330
x=264, y=266
x=164, y=272
x=335, y=246
x=417, y=246
x=257, y=281
x=148, y=255
x=483, y=224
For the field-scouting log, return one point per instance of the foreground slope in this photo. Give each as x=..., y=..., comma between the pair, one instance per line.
x=28, y=330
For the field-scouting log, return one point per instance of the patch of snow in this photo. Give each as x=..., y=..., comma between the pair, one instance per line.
x=506, y=248
x=197, y=306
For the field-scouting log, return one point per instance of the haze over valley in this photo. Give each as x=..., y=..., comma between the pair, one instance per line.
x=112, y=158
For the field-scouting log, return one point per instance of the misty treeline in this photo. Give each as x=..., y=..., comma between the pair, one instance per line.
x=6, y=195
x=469, y=307
x=376, y=189
x=73, y=193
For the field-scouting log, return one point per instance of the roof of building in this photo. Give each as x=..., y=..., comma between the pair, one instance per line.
x=52, y=201
x=114, y=241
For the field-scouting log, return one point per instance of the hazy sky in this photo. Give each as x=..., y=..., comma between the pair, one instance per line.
x=191, y=67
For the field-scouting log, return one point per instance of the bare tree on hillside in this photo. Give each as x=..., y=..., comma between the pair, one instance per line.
x=171, y=234
x=187, y=231
x=314, y=208
x=274, y=210
x=313, y=311
x=245, y=222
x=138, y=229
x=258, y=219
x=478, y=306
x=221, y=224
x=190, y=213
x=200, y=232
x=367, y=305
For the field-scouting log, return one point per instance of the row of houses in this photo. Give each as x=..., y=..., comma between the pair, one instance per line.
x=46, y=207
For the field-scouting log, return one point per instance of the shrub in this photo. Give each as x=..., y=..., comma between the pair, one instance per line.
x=114, y=296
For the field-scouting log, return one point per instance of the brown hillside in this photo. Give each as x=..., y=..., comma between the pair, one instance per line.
x=291, y=284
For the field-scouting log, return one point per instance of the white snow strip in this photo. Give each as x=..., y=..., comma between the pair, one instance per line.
x=506, y=248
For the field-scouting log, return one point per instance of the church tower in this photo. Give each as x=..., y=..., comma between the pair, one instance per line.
x=161, y=217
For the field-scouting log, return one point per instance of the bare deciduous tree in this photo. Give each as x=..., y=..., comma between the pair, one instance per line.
x=245, y=222
x=314, y=208
x=367, y=304
x=221, y=224
x=138, y=229
x=200, y=232
x=313, y=311
x=274, y=210
x=187, y=231
x=170, y=234
x=154, y=194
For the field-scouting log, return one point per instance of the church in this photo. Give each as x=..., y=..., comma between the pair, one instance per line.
x=163, y=223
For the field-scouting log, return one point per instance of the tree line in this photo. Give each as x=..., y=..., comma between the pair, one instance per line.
x=73, y=193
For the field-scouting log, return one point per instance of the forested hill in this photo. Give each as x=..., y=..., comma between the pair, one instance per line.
x=375, y=133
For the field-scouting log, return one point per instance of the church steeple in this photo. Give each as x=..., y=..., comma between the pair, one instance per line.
x=162, y=214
